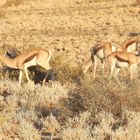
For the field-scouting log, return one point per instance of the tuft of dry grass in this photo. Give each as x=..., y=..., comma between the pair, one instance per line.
x=77, y=128
x=65, y=72
x=26, y=130
x=50, y=124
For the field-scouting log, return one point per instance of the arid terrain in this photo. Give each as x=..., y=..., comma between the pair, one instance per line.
x=74, y=107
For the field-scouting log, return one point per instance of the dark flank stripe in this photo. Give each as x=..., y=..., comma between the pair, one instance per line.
x=29, y=58
x=96, y=49
x=121, y=59
x=130, y=43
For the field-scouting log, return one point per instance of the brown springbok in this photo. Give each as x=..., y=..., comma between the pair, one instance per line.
x=30, y=58
x=100, y=51
x=120, y=59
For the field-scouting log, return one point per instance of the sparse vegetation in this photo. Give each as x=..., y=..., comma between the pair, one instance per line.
x=12, y=3
x=74, y=106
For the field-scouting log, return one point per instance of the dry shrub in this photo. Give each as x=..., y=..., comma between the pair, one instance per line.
x=50, y=124
x=129, y=95
x=102, y=99
x=103, y=129
x=9, y=73
x=13, y=126
x=94, y=95
x=26, y=130
x=83, y=127
x=12, y=123
x=110, y=96
x=65, y=72
x=125, y=130
x=32, y=96
x=7, y=87
x=44, y=99
x=77, y=128
x=7, y=92
x=7, y=123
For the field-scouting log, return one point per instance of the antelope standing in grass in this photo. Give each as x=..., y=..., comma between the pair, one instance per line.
x=119, y=59
x=100, y=51
x=34, y=57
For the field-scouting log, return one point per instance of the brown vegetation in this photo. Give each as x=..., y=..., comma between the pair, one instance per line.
x=75, y=106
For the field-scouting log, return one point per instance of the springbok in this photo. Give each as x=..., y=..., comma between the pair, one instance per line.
x=100, y=51
x=120, y=59
x=25, y=60
x=12, y=52
x=130, y=45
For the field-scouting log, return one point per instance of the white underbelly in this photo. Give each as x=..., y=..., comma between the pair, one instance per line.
x=31, y=62
x=113, y=48
x=100, y=54
x=121, y=64
x=132, y=47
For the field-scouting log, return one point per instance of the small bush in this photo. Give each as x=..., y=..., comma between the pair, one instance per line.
x=26, y=131
x=77, y=128
x=65, y=73
x=50, y=124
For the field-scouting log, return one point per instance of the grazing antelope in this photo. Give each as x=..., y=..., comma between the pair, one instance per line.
x=130, y=45
x=100, y=51
x=119, y=59
x=34, y=57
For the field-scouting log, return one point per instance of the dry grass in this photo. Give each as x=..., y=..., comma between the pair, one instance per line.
x=77, y=128
x=58, y=3
x=112, y=110
x=74, y=107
